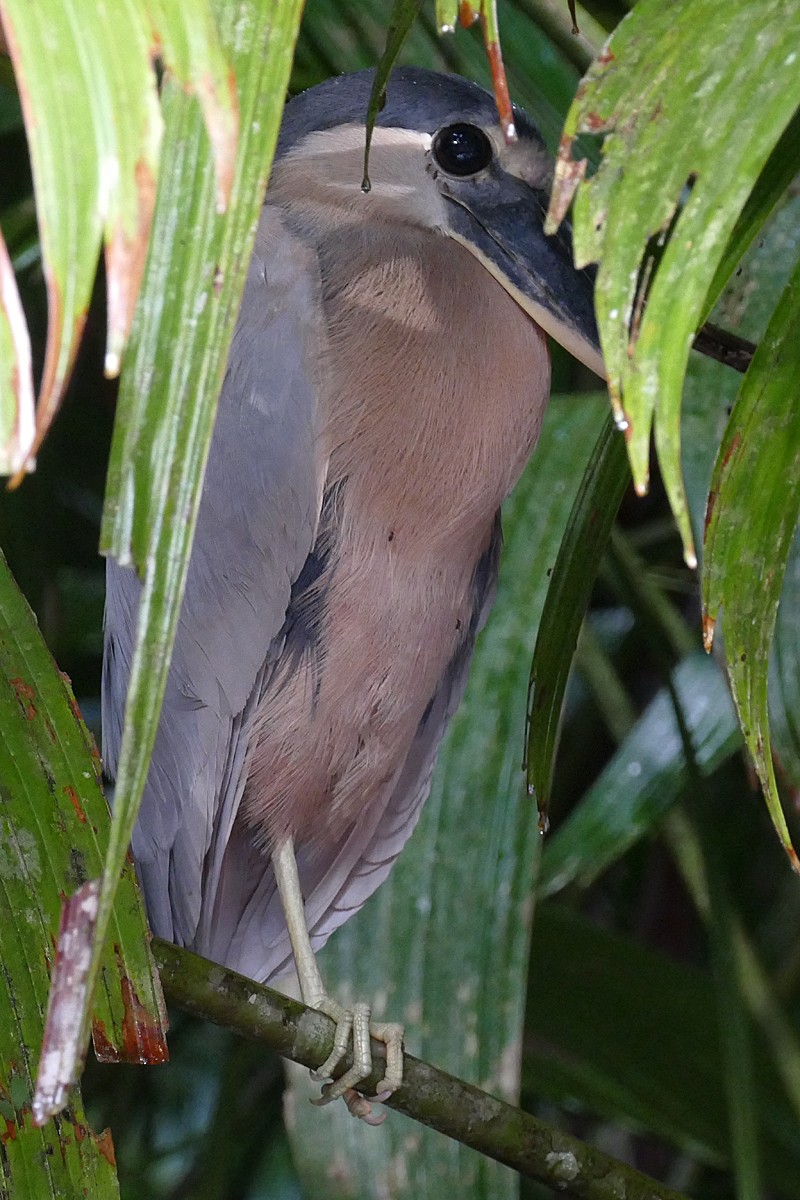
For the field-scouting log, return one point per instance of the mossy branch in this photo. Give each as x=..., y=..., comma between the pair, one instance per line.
x=428, y=1095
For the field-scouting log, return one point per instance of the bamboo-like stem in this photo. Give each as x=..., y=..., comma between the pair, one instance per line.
x=434, y=1098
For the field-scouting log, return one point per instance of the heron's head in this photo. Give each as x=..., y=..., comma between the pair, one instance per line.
x=439, y=161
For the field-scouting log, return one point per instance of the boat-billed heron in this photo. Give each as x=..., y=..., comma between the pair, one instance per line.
x=385, y=387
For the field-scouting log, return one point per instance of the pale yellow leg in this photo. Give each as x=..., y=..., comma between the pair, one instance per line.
x=352, y=1025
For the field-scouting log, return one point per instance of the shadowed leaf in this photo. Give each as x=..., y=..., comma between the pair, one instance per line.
x=579, y=554
x=636, y=1036
x=747, y=546
x=692, y=118
x=644, y=778
x=94, y=131
x=55, y=823
x=172, y=378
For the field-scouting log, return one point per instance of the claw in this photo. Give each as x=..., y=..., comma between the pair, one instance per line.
x=359, y=1106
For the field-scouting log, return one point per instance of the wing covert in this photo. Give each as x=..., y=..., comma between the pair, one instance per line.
x=256, y=523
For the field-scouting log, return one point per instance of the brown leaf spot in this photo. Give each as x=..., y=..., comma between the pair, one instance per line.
x=592, y=122
x=105, y=1144
x=10, y=1134
x=125, y=256
x=568, y=175
x=72, y=796
x=710, y=503
x=736, y=442
x=222, y=123
x=82, y=1133
x=104, y=1050
x=25, y=697
x=73, y=703
x=143, y=1039
x=709, y=625
x=468, y=13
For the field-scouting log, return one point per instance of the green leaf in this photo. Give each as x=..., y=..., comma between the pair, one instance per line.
x=747, y=546
x=692, y=849
x=644, y=778
x=184, y=322
x=404, y=14
x=579, y=555
x=53, y=826
x=443, y=943
x=711, y=391
x=94, y=131
x=191, y=47
x=770, y=187
x=695, y=95
x=16, y=376
x=745, y=307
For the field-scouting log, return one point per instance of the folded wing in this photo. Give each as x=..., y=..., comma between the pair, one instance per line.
x=256, y=525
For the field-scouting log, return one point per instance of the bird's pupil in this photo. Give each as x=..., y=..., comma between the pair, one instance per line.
x=462, y=149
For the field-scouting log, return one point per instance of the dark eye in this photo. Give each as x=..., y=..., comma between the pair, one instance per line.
x=462, y=149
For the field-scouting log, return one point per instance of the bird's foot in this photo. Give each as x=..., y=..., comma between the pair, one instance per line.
x=351, y=1023
x=353, y=1026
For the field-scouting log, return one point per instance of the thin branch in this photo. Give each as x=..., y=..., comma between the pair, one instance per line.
x=724, y=347
x=428, y=1095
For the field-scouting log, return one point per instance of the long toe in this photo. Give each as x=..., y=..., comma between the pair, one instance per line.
x=342, y=1036
x=391, y=1034
x=358, y=1023
x=353, y=1028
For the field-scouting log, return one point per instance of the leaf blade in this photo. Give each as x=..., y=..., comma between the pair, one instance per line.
x=165, y=418
x=54, y=821
x=16, y=381
x=644, y=778
x=660, y=211
x=746, y=549
x=573, y=576
x=94, y=130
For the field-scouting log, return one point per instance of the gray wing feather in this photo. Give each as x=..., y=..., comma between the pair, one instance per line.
x=252, y=937
x=256, y=524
